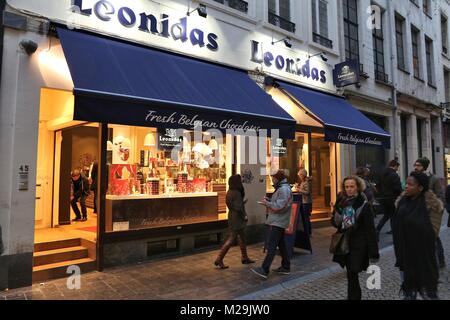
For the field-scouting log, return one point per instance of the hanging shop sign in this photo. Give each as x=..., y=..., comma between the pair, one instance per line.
x=346, y=73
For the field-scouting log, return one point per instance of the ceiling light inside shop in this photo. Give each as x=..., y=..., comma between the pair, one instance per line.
x=149, y=140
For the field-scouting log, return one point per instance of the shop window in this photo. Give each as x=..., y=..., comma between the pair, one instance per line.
x=163, y=177
x=294, y=158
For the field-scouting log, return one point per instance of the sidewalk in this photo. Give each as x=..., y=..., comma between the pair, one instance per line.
x=189, y=277
x=331, y=284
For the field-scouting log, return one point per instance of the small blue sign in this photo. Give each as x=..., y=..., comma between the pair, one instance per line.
x=346, y=73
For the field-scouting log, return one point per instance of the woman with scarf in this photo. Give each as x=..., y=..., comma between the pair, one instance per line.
x=353, y=217
x=237, y=221
x=415, y=228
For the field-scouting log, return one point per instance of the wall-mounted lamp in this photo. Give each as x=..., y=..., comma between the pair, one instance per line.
x=29, y=46
x=201, y=9
x=322, y=55
x=287, y=42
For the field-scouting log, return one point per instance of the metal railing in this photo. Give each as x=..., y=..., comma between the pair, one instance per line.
x=239, y=5
x=281, y=22
x=322, y=40
x=381, y=76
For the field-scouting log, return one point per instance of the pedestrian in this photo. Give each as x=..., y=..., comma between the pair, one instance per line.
x=93, y=173
x=354, y=219
x=80, y=190
x=391, y=188
x=305, y=189
x=421, y=165
x=237, y=221
x=416, y=227
x=369, y=190
x=279, y=208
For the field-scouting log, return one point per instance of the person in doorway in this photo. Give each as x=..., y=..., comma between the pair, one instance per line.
x=416, y=226
x=80, y=191
x=391, y=188
x=237, y=221
x=279, y=208
x=421, y=165
x=305, y=189
x=93, y=172
x=353, y=216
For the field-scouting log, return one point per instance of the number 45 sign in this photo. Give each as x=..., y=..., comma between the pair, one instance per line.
x=23, y=177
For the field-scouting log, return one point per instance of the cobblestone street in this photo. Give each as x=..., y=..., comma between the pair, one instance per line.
x=332, y=284
x=194, y=277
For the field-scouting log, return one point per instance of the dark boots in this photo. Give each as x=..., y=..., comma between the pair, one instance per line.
x=223, y=251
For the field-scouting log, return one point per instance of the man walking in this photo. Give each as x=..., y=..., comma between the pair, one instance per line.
x=80, y=190
x=421, y=165
x=279, y=209
x=391, y=188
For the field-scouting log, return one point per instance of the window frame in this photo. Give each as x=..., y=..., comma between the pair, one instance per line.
x=318, y=37
x=444, y=34
x=400, y=42
x=379, y=66
x=429, y=54
x=348, y=23
x=415, y=43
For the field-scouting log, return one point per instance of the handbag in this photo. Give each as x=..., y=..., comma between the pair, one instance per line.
x=340, y=243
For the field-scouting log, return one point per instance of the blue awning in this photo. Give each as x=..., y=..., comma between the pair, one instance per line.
x=120, y=83
x=342, y=122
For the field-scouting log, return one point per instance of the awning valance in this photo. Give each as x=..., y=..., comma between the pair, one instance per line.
x=342, y=122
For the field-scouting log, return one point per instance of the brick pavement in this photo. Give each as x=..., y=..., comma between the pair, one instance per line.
x=194, y=277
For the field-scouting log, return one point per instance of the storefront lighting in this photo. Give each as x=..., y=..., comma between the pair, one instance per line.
x=29, y=46
x=149, y=140
x=286, y=40
x=322, y=55
x=201, y=9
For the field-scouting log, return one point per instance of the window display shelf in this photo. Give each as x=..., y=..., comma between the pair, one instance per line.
x=162, y=196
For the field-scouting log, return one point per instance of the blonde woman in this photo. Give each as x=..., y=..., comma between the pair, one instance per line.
x=353, y=216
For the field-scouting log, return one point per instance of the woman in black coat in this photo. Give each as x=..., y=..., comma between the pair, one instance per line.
x=237, y=221
x=353, y=216
x=416, y=227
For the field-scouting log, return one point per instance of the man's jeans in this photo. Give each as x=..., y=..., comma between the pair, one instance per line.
x=276, y=239
x=74, y=205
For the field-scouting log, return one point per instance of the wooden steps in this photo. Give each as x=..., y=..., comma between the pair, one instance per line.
x=51, y=259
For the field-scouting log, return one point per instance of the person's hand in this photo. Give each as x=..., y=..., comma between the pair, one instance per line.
x=71, y=198
x=90, y=180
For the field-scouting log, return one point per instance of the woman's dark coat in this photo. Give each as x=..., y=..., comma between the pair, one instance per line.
x=237, y=215
x=415, y=229
x=362, y=238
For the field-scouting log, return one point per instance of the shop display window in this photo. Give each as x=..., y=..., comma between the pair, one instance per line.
x=161, y=178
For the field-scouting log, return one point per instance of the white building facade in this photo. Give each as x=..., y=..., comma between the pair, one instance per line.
x=246, y=35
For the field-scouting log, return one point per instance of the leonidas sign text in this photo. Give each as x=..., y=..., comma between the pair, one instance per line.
x=147, y=22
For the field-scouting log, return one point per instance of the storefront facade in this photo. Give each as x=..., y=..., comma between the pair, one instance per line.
x=146, y=76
